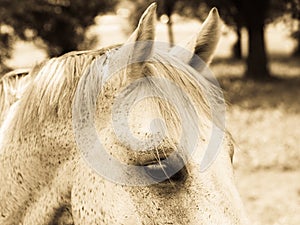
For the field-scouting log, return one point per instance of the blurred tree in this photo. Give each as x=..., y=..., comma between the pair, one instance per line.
x=168, y=8
x=238, y=13
x=163, y=7
x=6, y=40
x=296, y=36
x=60, y=24
x=229, y=11
x=293, y=6
x=287, y=11
x=254, y=15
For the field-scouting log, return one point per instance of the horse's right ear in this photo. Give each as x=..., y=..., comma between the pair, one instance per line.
x=143, y=36
x=204, y=43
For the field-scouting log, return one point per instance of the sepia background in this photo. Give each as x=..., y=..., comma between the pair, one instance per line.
x=257, y=63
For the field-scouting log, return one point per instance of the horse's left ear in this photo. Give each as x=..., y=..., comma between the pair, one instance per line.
x=143, y=36
x=204, y=43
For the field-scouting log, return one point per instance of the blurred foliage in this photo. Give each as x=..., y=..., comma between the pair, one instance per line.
x=6, y=41
x=231, y=11
x=138, y=7
x=252, y=15
x=59, y=24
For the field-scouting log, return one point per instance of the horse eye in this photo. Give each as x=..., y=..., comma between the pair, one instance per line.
x=165, y=171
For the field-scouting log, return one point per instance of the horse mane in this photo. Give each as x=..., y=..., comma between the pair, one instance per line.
x=202, y=91
x=50, y=92
x=12, y=85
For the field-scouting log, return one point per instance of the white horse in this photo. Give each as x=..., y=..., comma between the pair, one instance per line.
x=12, y=85
x=152, y=117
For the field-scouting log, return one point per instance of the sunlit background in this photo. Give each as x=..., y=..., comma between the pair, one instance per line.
x=262, y=89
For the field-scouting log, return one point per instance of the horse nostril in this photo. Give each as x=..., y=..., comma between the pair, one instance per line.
x=180, y=176
x=166, y=170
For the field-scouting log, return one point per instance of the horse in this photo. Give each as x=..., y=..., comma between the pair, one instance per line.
x=116, y=136
x=11, y=86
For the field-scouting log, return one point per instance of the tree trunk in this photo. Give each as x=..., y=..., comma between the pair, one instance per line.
x=170, y=31
x=297, y=49
x=255, y=13
x=168, y=7
x=237, y=47
x=257, y=63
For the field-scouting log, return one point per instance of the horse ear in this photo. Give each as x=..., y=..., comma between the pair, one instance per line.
x=144, y=34
x=204, y=43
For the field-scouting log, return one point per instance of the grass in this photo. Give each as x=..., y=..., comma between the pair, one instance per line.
x=264, y=119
